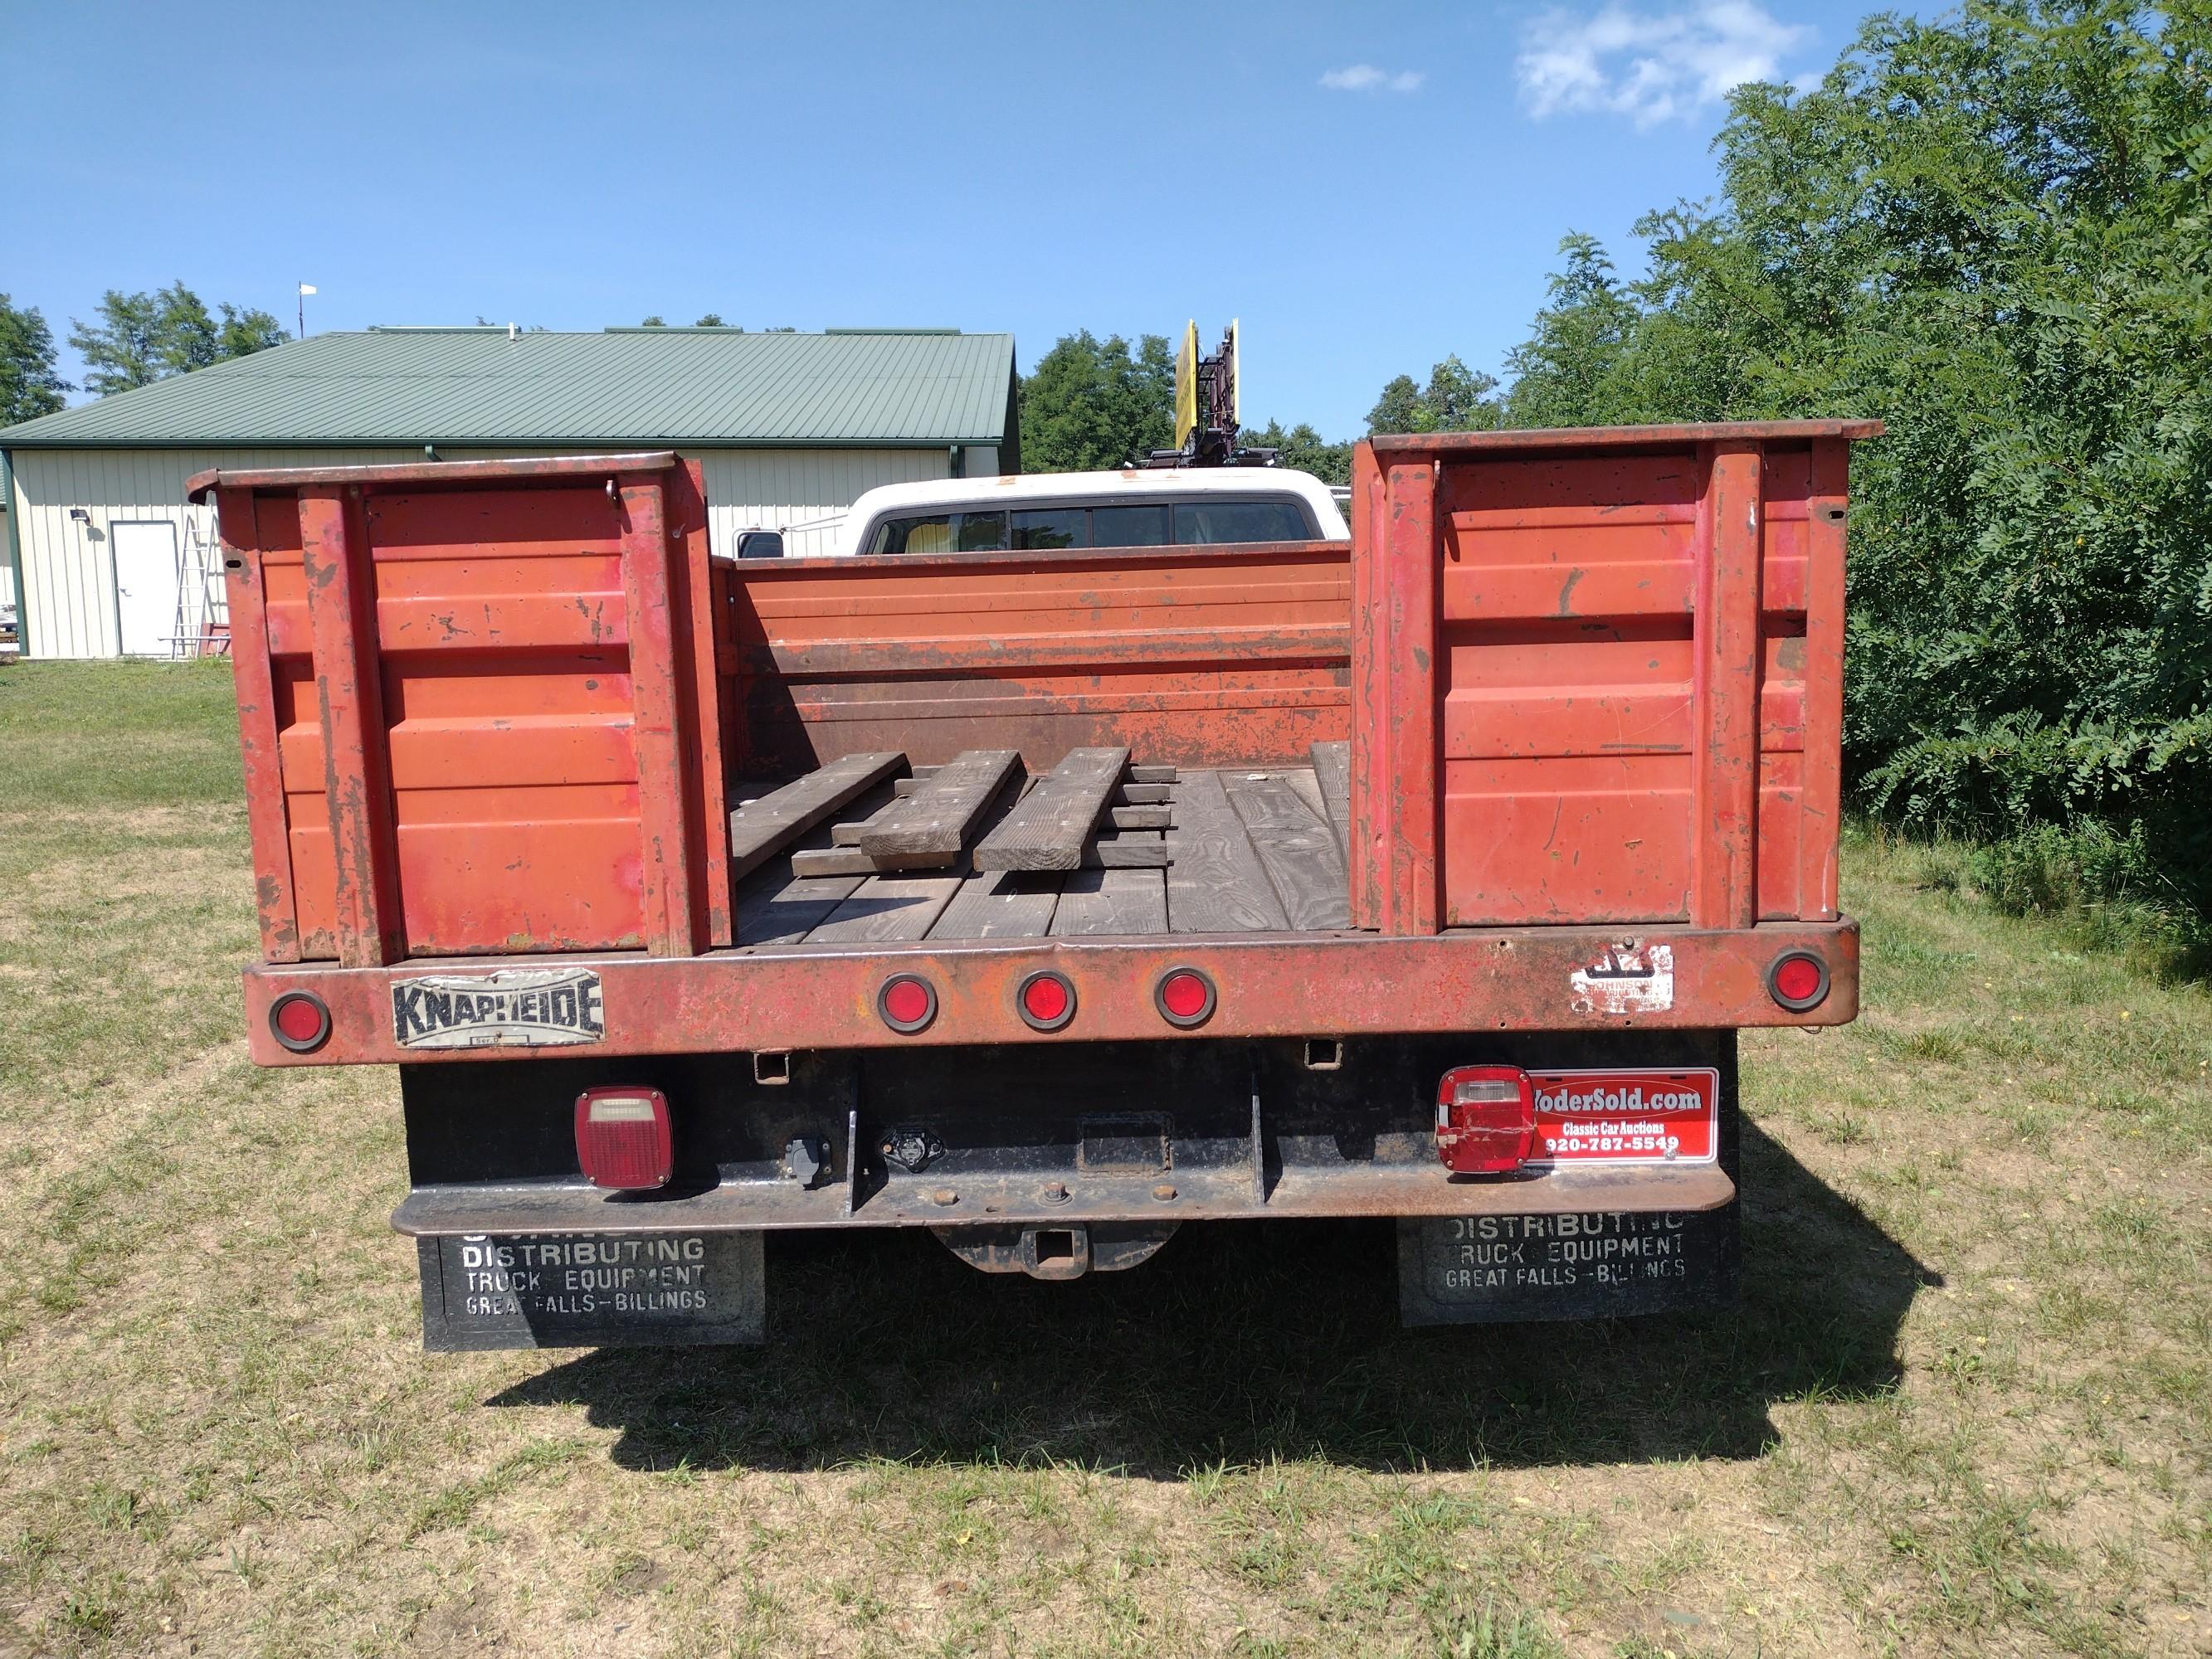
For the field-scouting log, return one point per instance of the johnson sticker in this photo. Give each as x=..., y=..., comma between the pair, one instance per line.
x=520, y=1008
x=1625, y=980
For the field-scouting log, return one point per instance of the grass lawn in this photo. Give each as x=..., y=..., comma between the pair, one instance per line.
x=1963, y=1407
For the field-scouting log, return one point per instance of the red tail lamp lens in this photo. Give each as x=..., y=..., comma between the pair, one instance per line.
x=1485, y=1119
x=1184, y=997
x=1798, y=981
x=622, y=1139
x=907, y=1002
x=300, y=1020
x=1048, y=1000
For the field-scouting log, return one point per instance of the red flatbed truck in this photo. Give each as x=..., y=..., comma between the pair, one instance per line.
x=1051, y=900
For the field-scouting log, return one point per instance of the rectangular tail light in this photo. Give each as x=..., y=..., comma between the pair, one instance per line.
x=1485, y=1119
x=623, y=1140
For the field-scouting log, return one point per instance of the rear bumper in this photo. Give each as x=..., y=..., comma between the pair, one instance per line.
x=1299, y=1191
x=791, y=998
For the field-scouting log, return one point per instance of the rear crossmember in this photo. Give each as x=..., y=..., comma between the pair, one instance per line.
x=1052, y=1161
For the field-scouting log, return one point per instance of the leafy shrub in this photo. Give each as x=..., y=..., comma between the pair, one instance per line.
x=1994, y=231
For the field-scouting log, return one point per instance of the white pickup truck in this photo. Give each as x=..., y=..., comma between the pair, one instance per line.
x=1137, y=506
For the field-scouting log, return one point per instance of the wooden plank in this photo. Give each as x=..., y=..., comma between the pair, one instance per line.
x=1145, y=795
x=1138, y=849
x=1093, y=902
x=1216, y=883
x=1301, y=778
x=886, y=909
x=1299, y=850
x=1048, y=829
x=831, y=861
x=929, y=827
x=1001, y=904
x=847, y=832
x=761, y=828
x=1142, y=818
x=781, y=903
x=1152, y=774
x=1332, y=765
x=782, y=909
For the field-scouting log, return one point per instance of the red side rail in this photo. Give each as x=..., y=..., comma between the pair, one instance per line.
x=475, y=701
x=1598, y=676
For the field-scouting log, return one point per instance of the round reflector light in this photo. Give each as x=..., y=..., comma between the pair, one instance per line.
x=907, y=1002
x=1184, y=997
x=1047, y=1001
x=300, y=1020
x=1798, y=981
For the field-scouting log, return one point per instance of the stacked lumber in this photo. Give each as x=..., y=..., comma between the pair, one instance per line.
x=979, y=811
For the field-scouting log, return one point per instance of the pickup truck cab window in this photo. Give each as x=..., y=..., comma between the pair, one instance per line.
x=941, y=533
x=1209, y=522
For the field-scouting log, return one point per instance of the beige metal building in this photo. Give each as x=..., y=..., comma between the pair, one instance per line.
x=109, y=560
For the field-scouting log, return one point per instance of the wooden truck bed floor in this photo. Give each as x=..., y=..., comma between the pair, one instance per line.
x=1248, y=850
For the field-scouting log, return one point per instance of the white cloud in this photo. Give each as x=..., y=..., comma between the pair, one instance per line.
x=1650, y=66
x=1365, y=77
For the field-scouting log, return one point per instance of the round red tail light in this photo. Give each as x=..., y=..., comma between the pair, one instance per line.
x=1798, y=981
x=1047, y=1001
x=300, y=1020
x=907, y=1002
x=1184, y=997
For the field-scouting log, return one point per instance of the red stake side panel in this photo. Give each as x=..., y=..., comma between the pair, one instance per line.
x=1191, y=656
x=1547, y=979
x=1598, y=676
x=475, y=701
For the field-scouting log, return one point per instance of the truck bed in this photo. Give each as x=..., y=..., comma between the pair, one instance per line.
x=1249, y=850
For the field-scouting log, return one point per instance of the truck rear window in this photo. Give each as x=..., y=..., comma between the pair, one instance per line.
x=1148, y=524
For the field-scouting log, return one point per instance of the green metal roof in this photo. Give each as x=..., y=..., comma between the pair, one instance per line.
x=624, y=387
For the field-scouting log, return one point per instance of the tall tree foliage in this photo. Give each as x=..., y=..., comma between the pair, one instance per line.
x=1456, y=399
x=1091, y=404
x=143, y=337
x=1994, y=232
x=1303, y=447
x=29, y=387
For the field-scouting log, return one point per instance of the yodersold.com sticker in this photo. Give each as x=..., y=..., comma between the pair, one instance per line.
x=1627, y=1116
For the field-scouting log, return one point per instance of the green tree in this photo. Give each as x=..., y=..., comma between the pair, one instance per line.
x=713, y=319
x=1091, y=404
x=1457, y=399
x=29, y=387
x=1993, y=230
x=143, y=337
x=1303, y=447
x=654, y=322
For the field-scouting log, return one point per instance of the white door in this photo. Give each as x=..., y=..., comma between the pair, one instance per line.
x=147, y=587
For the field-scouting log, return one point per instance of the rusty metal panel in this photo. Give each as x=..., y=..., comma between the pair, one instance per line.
x=255, y=687
x=1395, y=775
x=350, y=715
x=1724, y=688
x=454, y=705
x=1639, y=651
x=823, y=996
x=1184, y=656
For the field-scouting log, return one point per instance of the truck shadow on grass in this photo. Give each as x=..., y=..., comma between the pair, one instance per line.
x=1242, y=1342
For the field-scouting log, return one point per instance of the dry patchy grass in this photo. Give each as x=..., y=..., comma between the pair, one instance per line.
x=1962, y=1408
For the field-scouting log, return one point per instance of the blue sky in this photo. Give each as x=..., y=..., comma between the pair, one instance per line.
x=1368, y=187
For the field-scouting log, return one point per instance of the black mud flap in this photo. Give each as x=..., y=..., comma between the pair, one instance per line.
x=592, y=1289
x=1477, y=1270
